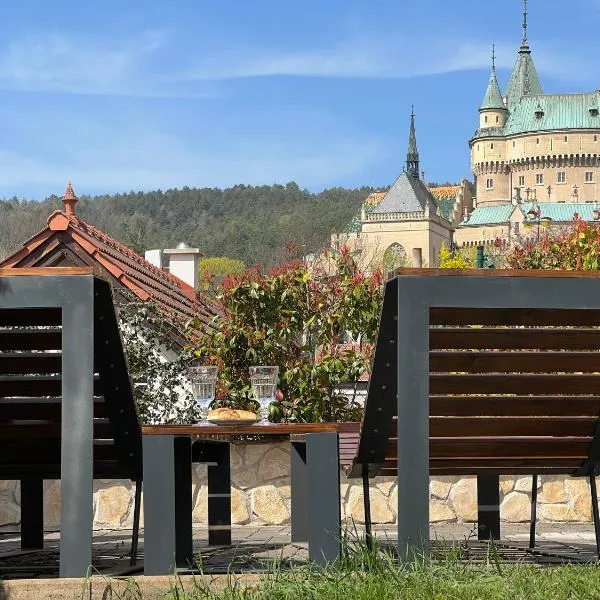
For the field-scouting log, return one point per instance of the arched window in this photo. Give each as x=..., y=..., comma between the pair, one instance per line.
x=394, y=257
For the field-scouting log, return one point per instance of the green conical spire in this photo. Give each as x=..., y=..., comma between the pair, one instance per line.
x=524, y=80
x=412, y=156
x=493, y=97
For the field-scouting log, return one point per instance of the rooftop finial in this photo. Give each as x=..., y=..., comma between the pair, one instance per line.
x=69, y=200
x=524, y=22
x=412, y=156
x=494, y=57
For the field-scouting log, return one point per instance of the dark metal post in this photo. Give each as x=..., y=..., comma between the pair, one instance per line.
x=479, y=258
x=159, y=505
x=32, y=513
x=595, y=512
x=488, y=507
x=77, y=436
x=183, y=502
x=299, y=485
x=367, y=506
x=219, y=497
x=322, y=461
x=534, y=483
x=135, y=534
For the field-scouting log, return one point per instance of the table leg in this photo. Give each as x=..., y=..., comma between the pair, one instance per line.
x=322, y=462
x=184, y=555
x=299, y=485
x=32, y=513
x=219, y=496
x=159, y=504
x=488, y=507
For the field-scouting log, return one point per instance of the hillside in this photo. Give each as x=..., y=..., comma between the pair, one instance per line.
x=244, y=222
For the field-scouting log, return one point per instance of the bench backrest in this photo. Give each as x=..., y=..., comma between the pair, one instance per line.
x=511, y=390
x=31, y=386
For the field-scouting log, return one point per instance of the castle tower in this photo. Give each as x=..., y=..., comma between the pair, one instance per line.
x=492, y=112
x=412, y=156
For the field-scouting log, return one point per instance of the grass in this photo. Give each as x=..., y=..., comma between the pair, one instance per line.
x=376, y=575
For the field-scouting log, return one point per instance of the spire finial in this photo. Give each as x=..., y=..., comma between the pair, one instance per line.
x=412, y=156
x=494, y=57
x=69, y=200
x=524, y=22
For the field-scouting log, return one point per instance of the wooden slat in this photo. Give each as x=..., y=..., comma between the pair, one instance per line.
x=13, y=317
x=47, y=272
x=40, y=408
x=46, y=430
x=515, y=316
x=31, y=339
x=453, y=427
x=514, y=384
x=514, y=406
x=514, y=362
x=46, y=385
x=19, y=363
x=514, y=339
x=202, y=429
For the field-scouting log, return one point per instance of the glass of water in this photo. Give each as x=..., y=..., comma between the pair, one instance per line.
x=264, y=383
x=204, y=383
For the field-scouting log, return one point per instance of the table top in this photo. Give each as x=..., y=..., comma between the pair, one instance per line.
x=270, y=429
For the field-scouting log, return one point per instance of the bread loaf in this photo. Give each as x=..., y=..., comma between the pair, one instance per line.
x=231, y=414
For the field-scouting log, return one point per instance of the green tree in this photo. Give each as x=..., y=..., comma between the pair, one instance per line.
x=213, y=270
x=463, y=258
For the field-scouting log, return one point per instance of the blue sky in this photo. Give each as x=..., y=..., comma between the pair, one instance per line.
x=153, y=94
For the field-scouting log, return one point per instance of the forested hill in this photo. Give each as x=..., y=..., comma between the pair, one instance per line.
x=248, y=223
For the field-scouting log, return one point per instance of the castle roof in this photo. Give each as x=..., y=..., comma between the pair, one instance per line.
x=493, y=98
x=407, y=194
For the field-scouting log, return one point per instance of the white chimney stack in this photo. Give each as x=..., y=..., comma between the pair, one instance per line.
x=183, y=263
x=154, y=257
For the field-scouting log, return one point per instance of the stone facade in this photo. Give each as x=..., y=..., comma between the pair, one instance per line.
x=261, y=495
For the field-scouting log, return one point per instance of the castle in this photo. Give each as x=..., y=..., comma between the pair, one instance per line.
x=534, y=159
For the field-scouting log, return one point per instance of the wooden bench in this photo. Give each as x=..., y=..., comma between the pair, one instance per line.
x=480, y=373
x=66, y=404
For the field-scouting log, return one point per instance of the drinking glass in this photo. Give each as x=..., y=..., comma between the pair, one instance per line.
x=264, y=383
x=204, y=381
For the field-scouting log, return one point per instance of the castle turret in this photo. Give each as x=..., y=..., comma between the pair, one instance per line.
x=492, y=112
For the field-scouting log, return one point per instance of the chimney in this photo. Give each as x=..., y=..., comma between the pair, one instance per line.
x=69, y=200
x=183, y=263
x=154, y=257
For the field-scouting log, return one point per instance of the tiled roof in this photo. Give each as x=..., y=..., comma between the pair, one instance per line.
x=408, y=194
x=493, y=97
x=489, y=215
x=69, y=240
x=554, y=111
x=444, y=192
x=446, y=206
x=524, y=80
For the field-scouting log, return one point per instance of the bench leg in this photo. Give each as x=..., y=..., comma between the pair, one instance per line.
x=32, y=513
x=299, y=485
x=367, y=506
x=534, y=484
x=219, y=496
x=488, y=507
x=159, y=504
x=184, y=556
x=322, y=461
x=135, y=534
x=595, y=511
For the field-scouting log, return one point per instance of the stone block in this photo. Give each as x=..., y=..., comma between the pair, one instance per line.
x=245, y=477
x=523, y=484
x=582, y=508
x=380, y=510
x=463, y=496
x=515, y=508
x=553, y=490
x=200, y=510
x=52, y=504
x=384, y=484
x=240, y=515
x=440, y=487
x=274, y=464
x=555, y=512
x=236, y=455
x=440, y=511
x=269, y=506
x=10, y=513
x=113, y=505
x=507, y=484
x=255, y=452
x=577, y=486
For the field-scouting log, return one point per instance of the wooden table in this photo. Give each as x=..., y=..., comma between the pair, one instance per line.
x=170, y=450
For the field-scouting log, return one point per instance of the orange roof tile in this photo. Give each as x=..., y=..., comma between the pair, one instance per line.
x=445, y=192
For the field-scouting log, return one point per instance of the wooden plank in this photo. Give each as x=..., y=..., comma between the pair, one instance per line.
x=15, y=409
x=47, y=430
x=20, y=363
x=514, y=362
x=440, y=427
x=28, y=385
x=46, y=272
x=514, y=384
x=199, y=430
x=513, y=339
x=515, y=316
x=31, y=339
x=514, y=406
x=27, y=317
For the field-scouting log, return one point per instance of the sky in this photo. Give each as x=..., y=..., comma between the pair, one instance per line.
x=148, y=94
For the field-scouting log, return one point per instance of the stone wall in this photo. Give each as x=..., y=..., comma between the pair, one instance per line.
x=261, y=494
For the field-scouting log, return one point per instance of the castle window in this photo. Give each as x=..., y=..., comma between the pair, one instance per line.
x=513, y=144
x=566, y=138
x=491, y=146
x=497, y=118
x=539, y=178
x=537, y=140
x=489, y=184
x=594, y=112
x=486, y=118
x=589, y=177
x=595, y=138
x=521, y=180
x=561, y=177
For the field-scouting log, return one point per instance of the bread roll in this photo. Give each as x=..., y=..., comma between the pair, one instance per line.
x=232, y=414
